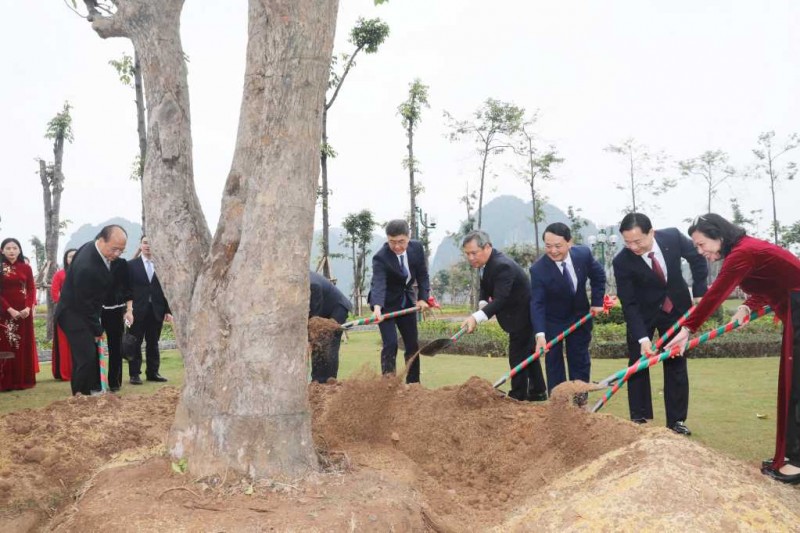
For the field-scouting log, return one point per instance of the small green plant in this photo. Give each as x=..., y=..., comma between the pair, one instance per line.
x=181, y=466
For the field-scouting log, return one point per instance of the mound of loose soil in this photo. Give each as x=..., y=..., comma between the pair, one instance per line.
x=320, y=334
x=46, y=453
x=397, y=458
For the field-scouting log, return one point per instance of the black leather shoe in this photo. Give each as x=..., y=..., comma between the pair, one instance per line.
x=791, y=479
x=136, y=380
x=639, y=421
x=537, y=397
x=680, y=428
x=157, y=377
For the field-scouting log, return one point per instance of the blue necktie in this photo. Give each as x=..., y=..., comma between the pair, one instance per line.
x=403, y=268
x=567, y=277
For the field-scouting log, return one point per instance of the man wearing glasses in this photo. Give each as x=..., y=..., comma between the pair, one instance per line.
x=397, y=267
x=654, y=296
x=88, y=281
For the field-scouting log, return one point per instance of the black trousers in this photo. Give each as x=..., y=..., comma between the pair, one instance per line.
x=676, y=377
x=325, y=366
x=407, y=325
x=113, y=321
x=577, y=345
x=528, y=384
x=793, y=415
x=147, y=328
x=82, y=343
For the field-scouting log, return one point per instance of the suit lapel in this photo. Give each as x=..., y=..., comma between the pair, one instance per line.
x=579, y=273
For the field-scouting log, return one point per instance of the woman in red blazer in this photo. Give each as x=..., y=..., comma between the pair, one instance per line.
x=769, y=275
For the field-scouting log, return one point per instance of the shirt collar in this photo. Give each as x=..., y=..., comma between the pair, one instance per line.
x=106, y=261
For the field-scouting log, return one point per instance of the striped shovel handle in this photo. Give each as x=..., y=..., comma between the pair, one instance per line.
x=102, y=353
x=372, y=320
x=676, y=350
x=659, y=343
x=536, y=355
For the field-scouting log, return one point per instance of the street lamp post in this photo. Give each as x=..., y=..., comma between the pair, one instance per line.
x=605, y=254
x=426, y=227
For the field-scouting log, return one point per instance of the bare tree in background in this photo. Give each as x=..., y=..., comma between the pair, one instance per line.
x=712, y=168
x=410, y=113
x=767, y=155
x=59, y=130
x=645, y=172
x=367, y=35
x=130, y=74
x=491, y=127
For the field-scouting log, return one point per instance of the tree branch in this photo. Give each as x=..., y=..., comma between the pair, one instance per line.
x=341, y=79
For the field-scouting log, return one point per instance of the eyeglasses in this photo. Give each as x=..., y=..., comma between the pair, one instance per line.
x=699, y=218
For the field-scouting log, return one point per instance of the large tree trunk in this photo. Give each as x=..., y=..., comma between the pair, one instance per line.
x=240, y=304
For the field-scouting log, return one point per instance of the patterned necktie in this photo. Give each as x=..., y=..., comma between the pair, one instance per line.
x=403, y=268
x=567, y=277
x=149, y=268
x=667, y=305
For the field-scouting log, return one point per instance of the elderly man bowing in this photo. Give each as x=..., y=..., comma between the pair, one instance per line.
x=88, y=281
x=506, y=293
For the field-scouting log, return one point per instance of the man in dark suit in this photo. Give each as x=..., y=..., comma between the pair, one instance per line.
x=558, y=300
x=396, y=268
x=506, y=293
x=117, y=310
x=88, y=281
x=150, y=311
x=326, y=301
x=654, y=296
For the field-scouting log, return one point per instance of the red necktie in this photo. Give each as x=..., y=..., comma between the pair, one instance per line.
x=667, y=305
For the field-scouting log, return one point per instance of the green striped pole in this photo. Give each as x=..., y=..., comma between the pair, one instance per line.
x=676, y=350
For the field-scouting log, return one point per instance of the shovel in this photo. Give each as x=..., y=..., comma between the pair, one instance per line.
x=372, y=320
x=436, y=346
x=673, y=352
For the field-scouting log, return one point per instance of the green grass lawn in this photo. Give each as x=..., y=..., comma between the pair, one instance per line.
x=726, y=394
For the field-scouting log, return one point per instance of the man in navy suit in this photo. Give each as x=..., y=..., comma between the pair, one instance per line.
x=396, y=268
x=88, y=281
x=506, y=293
x=654, y=296
x=326, y=301
x=150, y=311
x=558, y=300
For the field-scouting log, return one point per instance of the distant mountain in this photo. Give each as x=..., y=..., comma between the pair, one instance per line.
x=88, y=232
x=507, y=220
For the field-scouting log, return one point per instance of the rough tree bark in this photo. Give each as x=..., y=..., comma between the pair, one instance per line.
x=241, y=300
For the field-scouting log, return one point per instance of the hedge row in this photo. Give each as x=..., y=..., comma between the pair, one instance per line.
x=762, y=338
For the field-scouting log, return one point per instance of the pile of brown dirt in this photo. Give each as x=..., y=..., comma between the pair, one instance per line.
x=397, y=457
x=662, y=482
x=479, y=452
x=46, y=453
x=320, y=334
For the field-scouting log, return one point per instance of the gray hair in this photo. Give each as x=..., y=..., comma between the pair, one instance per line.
x=480, y=237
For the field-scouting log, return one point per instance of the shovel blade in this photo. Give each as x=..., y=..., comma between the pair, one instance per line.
x=436, y=346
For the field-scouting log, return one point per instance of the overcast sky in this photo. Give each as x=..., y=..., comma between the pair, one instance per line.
x=679, y=76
